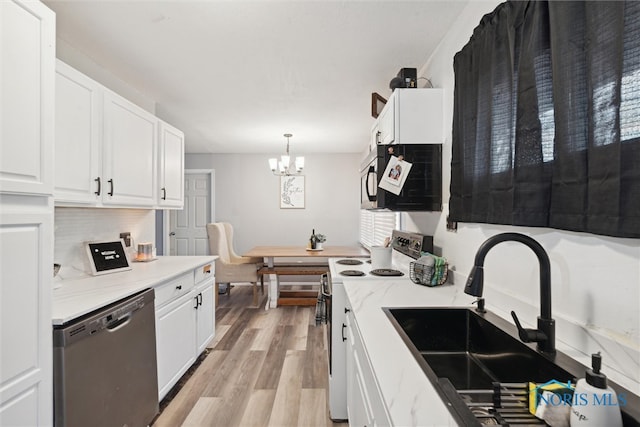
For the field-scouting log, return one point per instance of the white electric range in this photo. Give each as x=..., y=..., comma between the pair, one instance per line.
x=406, y=247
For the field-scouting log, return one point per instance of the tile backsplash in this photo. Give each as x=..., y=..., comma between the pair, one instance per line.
x=74, y=226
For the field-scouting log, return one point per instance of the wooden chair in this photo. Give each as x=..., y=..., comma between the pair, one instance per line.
x=231, y=269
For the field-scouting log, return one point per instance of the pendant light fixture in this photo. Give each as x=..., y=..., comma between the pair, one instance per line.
x=286, y=165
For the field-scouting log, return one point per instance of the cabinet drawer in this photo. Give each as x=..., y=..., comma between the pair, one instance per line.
x=204, y=272
x=174, y=288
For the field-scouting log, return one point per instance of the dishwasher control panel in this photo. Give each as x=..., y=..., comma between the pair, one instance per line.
x=109, y=317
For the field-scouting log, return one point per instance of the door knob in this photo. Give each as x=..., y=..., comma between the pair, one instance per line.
x=173, y=233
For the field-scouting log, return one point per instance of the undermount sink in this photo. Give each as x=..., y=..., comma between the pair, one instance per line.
x=470, y=351
x=463, y=351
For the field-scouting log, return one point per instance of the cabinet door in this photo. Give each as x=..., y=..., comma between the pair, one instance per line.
x=205, y=316
x=130, y=153
x=78, y=136
x=175, y=341
x=26, y=259
x=358, y=406
x=386, y=122
x=171, y=167
x=27, y=66
x=419, y=116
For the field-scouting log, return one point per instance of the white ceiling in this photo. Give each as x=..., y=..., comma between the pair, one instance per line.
x=236, y=75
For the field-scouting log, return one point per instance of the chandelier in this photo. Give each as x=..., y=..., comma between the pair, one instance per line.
x=287, y=165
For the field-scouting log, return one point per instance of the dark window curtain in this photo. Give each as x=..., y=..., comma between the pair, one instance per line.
x=546, y=126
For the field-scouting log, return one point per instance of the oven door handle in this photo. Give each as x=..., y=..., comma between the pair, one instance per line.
x=324, y=286
x=372, y=170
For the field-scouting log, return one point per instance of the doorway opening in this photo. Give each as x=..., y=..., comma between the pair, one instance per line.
x=183, y=232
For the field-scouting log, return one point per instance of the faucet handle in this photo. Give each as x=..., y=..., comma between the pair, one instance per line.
x=480, y=302
x=528, y=335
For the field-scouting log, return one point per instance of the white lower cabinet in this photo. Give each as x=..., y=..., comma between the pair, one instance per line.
x=205, y=315
x=185, y=323
x=175, y=342
x=365, y=405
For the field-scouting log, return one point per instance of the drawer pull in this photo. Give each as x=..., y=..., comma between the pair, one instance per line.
x=179, y=287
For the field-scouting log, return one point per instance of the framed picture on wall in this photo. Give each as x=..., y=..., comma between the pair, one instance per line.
x=377, y=104
x=292, y=192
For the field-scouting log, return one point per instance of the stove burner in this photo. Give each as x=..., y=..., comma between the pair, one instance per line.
x=352, y=273
x=349, y=261
x=386, y=272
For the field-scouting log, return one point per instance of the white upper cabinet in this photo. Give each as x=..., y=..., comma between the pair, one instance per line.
x=171, y=167
x=129, y=153
x=27, y=54
x=110, y=152
x=411, y=116
x=78, y=137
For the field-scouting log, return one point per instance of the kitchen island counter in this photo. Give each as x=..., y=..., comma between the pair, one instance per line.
x=79, y=296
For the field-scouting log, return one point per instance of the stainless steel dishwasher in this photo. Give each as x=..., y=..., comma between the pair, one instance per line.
x=105, y=370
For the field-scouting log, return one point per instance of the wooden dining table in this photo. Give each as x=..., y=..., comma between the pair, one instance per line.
x=298, y=260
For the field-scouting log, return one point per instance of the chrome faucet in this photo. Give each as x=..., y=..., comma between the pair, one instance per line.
x=545, y=335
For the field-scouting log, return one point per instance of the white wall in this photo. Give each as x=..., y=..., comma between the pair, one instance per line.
x=595, y=280
x=86, y=65
x=246, y=195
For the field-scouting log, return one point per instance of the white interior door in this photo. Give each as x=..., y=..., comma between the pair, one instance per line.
x=188, y=232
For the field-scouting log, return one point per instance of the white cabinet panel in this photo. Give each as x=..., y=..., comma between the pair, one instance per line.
x=412, y=116
x=205, y=318
x=27, y=55
x=78, y=137
x=27, y=76
x=386, y=133
x=365, y=404
x=26, y=260
x=175, y=341
x=171, y=162
x=112, y=152
x=130, y=153
x=20, y=282
x=19, y=411
x=185, y=323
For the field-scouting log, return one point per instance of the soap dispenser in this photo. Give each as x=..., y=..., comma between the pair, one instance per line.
x=594, y=402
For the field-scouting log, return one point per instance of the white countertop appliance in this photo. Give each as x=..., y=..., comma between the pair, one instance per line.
x=407, y=247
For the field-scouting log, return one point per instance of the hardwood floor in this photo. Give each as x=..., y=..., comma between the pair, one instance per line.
x=264, y=368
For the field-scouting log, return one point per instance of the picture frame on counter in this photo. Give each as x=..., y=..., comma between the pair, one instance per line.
x=292, y=192
x=107, y=257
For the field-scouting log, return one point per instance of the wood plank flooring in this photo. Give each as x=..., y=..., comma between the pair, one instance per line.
x=263, y=368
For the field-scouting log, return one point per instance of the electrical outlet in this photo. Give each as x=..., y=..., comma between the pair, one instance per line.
x=127, y=238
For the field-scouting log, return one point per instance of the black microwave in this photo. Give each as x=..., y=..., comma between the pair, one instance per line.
x=422, y=188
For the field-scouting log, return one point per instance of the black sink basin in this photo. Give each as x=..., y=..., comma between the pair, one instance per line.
x=462, y=351
x=471, y=351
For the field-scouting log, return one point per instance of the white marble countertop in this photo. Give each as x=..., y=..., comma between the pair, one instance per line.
x=74, y=297
x=409, y=395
